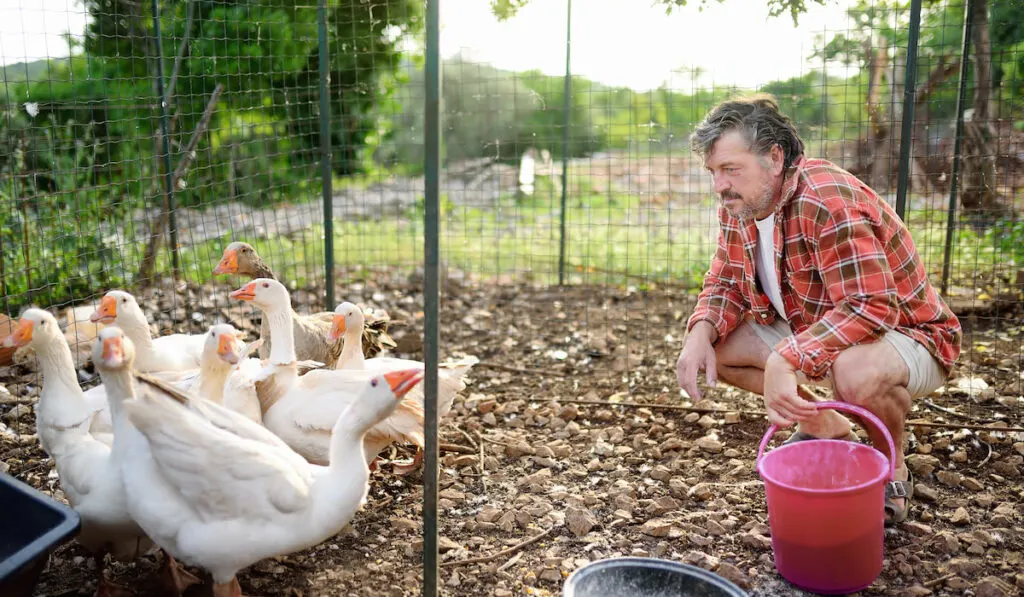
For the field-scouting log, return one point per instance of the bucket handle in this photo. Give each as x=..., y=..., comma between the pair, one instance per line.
x=851, y=408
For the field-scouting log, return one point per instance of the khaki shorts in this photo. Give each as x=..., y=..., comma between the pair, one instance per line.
x=926, y=374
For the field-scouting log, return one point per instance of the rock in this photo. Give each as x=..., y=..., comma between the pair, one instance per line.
x=488, y=514
x=550, y=575
x=916, y=528
x=579, y=521
x=707, y=422
x=445, y=544
x=961, y=517
x=1006, y=469
x=916, y=591
x=710, y=443
x=922, y=465
x=404, y=524
x=520, y=448
x=972, y=484
x=925, y=493
x=714, y=529
x=756, y=541
x=733, y=574
x=1019, y=580
x=657, y=527
x=958, y=584
x=965, y=566
x=947, y=543
x=660, y=473
x=949, y=478
x=701, y=492
x=662, y=505
x=991, y=586
x=732, y=418
x=701, y=560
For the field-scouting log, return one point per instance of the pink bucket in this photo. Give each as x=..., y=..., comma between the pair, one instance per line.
x=826, y=508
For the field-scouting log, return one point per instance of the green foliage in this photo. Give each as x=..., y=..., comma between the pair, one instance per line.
x=506, y=9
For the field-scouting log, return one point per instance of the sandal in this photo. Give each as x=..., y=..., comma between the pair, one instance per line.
x=800, y=436
x=898, y=489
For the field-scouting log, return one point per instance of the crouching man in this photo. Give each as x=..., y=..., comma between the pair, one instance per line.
x=815, y=281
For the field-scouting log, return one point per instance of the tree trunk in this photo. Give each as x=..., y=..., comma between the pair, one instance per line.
x=878, y=60
x=979, y=162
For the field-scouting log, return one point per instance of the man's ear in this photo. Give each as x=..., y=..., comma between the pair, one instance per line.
x=778, y=158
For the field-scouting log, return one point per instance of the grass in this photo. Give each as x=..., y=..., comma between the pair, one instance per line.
x=611, y=239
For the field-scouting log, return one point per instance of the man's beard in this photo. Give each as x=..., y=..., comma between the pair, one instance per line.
x=748, y=212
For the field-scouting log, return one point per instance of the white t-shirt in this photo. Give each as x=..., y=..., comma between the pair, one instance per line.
x=765, y=264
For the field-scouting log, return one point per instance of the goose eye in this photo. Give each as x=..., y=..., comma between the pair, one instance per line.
x=373, y=382
x=266, y=285
x=124, y=300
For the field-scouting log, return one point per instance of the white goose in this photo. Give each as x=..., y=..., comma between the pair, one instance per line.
x=348, y=324
x=302, y=410
x=223, y=377
x=221, y=492
x=88, y=475
x=174, y=352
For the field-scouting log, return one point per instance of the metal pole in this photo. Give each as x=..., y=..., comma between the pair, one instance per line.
x=326, y=156
x=172, y=223
x=566, y=121
x=432, y=172
x=909, y=93
x=954, y=179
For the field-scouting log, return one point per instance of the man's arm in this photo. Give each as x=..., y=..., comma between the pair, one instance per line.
x=720, y=302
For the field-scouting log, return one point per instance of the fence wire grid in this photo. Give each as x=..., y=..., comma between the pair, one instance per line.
x=206, y=118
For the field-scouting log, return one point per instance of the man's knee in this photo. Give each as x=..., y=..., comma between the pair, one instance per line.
x=867, y=372
x=742, y=348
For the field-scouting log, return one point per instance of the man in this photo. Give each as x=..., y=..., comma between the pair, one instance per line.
x=815, y=281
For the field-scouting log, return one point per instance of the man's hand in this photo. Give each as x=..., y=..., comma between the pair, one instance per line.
x=784, y=405
x=697, y=354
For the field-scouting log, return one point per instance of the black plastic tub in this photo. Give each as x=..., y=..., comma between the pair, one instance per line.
x=34, y=524
x=646, y=577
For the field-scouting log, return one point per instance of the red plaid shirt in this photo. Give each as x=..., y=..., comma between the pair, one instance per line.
x=847, y=267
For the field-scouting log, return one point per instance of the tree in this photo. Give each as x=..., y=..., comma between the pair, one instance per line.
x=506, y=9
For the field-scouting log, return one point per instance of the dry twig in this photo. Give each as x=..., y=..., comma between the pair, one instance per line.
x=504, y=552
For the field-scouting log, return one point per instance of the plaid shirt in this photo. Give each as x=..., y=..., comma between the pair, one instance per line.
x=847, y=267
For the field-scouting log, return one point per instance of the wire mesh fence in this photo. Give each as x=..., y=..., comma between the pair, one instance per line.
x=92, y=186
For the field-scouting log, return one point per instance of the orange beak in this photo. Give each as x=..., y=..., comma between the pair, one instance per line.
x=337, y=328
x=228, y=263
x=107, y=311
x=403, y=381
x=21, y=335
x=113, y=352
x=245, y=293
x=226, y=349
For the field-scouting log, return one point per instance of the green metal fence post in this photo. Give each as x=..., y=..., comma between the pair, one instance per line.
x=566, y=122
x=326, y=155
x=909, y=97
x=432, y=171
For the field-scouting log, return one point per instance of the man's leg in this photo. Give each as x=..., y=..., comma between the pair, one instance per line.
x=875, y=376
x=741, y=358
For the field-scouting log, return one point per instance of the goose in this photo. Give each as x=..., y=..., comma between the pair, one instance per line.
x=174, y=352
x=310, y=331
x=220, y=492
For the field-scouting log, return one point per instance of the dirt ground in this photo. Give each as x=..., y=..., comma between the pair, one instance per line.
x=638, y=476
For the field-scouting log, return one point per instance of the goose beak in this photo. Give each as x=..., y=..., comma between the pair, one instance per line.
x=21, y=335
x=245, y=293
x=403, y=381
x=337, y=328
x=113, y=352
x=228, y=263
x=226, y=349
x=107, y=311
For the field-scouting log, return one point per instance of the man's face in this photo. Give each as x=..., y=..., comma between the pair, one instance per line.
x=745, y=182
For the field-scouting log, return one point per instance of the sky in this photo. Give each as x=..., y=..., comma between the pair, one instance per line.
x=617, y=42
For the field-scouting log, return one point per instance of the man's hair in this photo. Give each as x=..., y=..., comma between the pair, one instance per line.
x=758, y=119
